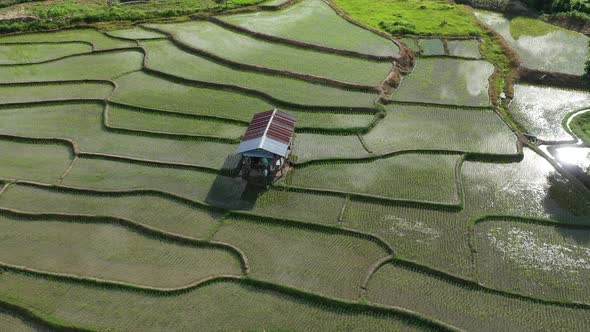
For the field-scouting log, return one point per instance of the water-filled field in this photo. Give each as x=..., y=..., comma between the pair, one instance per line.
x=543, y=111
x=541, y=46
x=416, y=208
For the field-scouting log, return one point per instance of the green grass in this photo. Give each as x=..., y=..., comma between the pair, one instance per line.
x=580, y=125
x=82, y=123
x=408, y=176
x=108, y=252
x=533, y=258
x=464, y=48
x=536, y=42
x=221, y=305
x=466, y=307
x=90, y=66
x=138, y=119
x=148, y=209
x=422, y=17
x=240, y=48
x=289, y=90
x=37, y=161
x=95, y=37
x=326, y=263
x=542, y=110
x=440, y=128
x=447, y=81
x=27, y=93
x=31, y=53
x=65, y=13
x=315, y=22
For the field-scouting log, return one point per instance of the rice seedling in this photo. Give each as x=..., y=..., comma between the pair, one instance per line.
x=34, y=160
x=447, y=81
x=226, y=305
x=31, y=53
x=82, y=123
x=534, y=259
x=243, y=49
x=153, y=210
x=36, y=92
x=467, y=306
x=323, y=262
x=287, y=90
x=109, y=252
x=100, y=66
x=95, y=37
x=440, y=128
x=314, y=22
x=417, y=177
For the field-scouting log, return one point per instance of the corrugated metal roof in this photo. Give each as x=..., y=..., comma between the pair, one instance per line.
x=271, y=131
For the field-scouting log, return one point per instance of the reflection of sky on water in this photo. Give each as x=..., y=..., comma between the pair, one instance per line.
x=560, y=51
x=576, y=156
x=531, y=187
x=541, y=110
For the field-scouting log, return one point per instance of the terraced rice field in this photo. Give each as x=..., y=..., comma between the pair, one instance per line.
x=553, y=50
x=405, y=208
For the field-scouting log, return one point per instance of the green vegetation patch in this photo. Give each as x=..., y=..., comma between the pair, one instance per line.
x=440, y=128
x=336, y=121
x=431, y=46
x=307, y=147
x=109, y=252
x=580, y=125
x=135, y=33
x=464, y=48
x=327, y=263
x=33, y=160
x=532, y=258
x=220, y=305
x=148, y=209
x=82, y=123
x=421, y=17
x=95, y=37
x=285, y=89
x=35, y=92
x=31, y=53
x=419, y=177
x=101, y=66
x=313, y=21
x=466, y=307
x=541, y=46
x=542, y=110
x=145, y=120
x=447, y=81
x=239, y=48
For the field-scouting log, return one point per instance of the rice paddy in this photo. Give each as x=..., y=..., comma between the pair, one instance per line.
x=447, y=81
x=411, y=201
x=541, y=46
